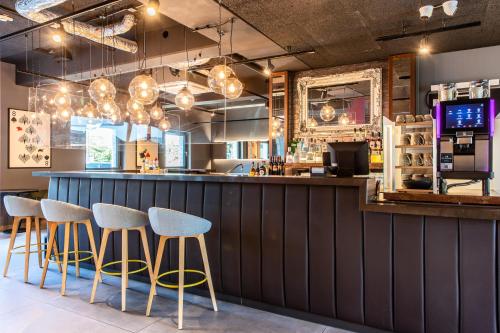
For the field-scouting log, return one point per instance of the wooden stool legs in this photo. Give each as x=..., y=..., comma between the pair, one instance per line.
x=182, y=248
x=15, y=227
x=124, y=262
x=27, y=245
x=51, y=246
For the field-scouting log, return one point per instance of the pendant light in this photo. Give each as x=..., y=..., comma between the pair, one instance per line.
x=144, y=89
x=344, y=119
x=312, y=122
x=134, y=106
x=268, y=70
x=65, y=114
x=233, y=87
x=327, y=112
x=57, y=34
x=152, y=7
x=184, y=98
x=108, y=107
x=219, y=74
x=164, y=124
x=140, y=118
x=101, y=89
x=156, y=113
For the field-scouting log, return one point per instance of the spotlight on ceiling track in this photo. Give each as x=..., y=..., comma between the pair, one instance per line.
x=424, y=48
x=269, y=68
x=58, y=34
x=449, y=7
x=152, y=7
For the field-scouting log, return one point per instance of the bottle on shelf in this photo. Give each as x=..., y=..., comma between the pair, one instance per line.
x=282, y=167
x=262, y=170
x=252, y=170
x=257, y=169
x=289, y=156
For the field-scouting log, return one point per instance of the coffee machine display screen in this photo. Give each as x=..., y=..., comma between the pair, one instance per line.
x=465, y=116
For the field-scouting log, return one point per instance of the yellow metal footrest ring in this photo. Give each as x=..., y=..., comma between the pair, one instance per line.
x=23, y=246
x=119, y=262
x=52, y=257
x=175, y=286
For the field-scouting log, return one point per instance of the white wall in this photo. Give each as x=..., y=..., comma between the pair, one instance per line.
x=458, y=66
x=14, y=96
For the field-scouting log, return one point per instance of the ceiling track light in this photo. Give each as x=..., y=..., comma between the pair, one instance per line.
x=58, y=34
x=449, y=7
x=424, y=48
x=152, y=7
x=268, y=70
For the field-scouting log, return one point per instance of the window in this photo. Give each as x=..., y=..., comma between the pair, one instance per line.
x=175, y=150
x=100, y=148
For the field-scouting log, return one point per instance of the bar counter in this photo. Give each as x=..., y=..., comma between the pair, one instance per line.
x=320, y=248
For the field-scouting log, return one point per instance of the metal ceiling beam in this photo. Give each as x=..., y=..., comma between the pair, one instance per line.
x=429, y=32
x=74, y=14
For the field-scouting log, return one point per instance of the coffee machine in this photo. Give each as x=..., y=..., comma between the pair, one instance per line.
x=464, y=134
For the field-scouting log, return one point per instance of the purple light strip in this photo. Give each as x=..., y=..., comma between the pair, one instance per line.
x=492, y=117
x=438, y=120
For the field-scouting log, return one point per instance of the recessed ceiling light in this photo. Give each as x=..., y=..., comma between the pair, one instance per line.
x=5, y=18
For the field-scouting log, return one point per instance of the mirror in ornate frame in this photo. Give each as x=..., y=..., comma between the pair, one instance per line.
x=278, y=113
x=341, y=101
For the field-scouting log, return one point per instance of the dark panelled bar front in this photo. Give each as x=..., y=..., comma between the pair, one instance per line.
x=310, y=248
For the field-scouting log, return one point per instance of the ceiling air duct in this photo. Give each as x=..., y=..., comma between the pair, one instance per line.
x=36, y=10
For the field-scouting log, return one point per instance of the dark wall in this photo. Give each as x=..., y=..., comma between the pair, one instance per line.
x=309, y=249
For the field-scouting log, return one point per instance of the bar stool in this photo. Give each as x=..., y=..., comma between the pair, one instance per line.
x=169, y=224
x=117, y=218
x=29, y=210
x=63, y=213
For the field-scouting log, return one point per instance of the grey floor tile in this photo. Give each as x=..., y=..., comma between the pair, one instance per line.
x=47, y=318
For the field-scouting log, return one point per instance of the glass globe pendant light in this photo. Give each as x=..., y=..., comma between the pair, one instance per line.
x=327, y=112
x=156, y=113
x=134, y=106
x=217, y=78
x=101, y=89
x=116, y=118
x=108, y=107
x=62, y=100
x=140, y=118
x=144, y=89
x=312, y=122
x=344, y=119
x=64, y=114
x=164, y=124
x=233, y=87
x=184, y=99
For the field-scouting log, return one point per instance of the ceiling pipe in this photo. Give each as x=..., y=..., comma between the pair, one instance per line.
x=36, y=10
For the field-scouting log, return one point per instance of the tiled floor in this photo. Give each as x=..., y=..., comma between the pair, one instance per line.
x=24, y=307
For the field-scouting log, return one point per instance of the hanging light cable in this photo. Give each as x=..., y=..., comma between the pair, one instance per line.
x=184, y=98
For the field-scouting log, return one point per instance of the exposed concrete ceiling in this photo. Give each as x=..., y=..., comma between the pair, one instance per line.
x=344, y=31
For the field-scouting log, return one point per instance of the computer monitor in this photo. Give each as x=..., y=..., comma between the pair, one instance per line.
x=351, y=158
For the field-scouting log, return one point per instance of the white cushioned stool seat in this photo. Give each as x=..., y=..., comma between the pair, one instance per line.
x=19, y=206
x=59, y=211
x=118, y=217
x=168, y=222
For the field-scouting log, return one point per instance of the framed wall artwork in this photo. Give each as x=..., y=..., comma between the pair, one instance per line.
x=146, y=149
x=29, y=140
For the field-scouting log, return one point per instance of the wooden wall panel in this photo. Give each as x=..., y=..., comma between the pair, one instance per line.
x=441, y=275
x=231, y=239
x=378, y=270
x=162, y=199
x=322, y=250
x=194, y=206
x=177, y=202
x=408, y=274
x=147, y=201
x=349, y=255
x=212, y=210
x=478, y=280
x=251, y=225
x=296, y=247
x=108, y=193
x=273, y=218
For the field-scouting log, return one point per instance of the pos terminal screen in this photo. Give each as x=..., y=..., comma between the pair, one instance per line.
x=464, y=116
